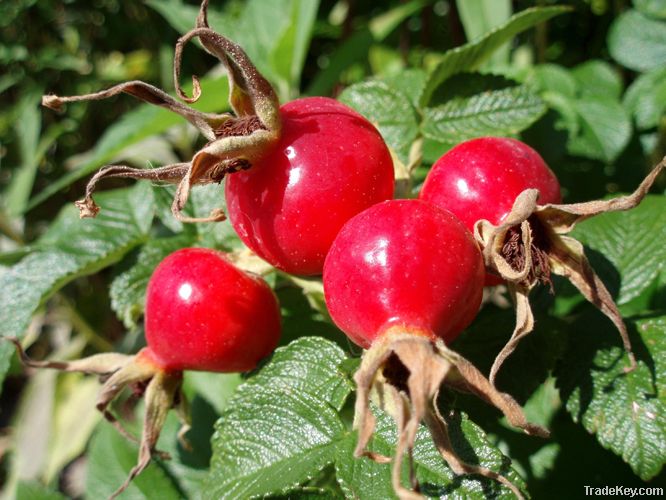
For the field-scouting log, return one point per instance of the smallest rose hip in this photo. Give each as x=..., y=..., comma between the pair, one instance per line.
x=202, y=313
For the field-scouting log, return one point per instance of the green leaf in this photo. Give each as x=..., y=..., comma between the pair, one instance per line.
x=216, y=388
x=553, y=78
x=74, y=418
x=361, y=478
x=638, y=42
x=288, y=54
x=605, y=128
x=304, y=310
x=128, y=290
x=626, y=412
x=28, y=125
x=202, y=200
x=645, y=98
x=504, y=111
x=32, y=426
x=527, y=368
x=111, y=457
x=481, y=16
x=182, y=16
x=388, y=109
x=356, y=47
x=282, y=425
x=597, y=77
x=627, y=248
x=69, y=249
x=275, y=35
x=409, y=82
x=471, y=56
x=366, y=480
x=132, y=128
x=652, y=8
x=35, y=491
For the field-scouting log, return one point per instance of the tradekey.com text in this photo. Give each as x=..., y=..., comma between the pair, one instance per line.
x=622, y=491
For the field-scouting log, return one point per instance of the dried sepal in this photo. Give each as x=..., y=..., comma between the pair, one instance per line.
x=235, y=141
x=524, y=325
x=532, y=242
x=160, y=389
x=403, y=373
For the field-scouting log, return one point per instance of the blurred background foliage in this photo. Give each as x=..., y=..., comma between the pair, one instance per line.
x=591, y=84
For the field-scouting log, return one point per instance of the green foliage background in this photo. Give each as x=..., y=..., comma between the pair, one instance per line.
x=584, y=85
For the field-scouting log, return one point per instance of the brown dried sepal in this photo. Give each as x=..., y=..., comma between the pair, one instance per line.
x=160, y=389
x=542, y=248
x=235, y=141
x=403, y=373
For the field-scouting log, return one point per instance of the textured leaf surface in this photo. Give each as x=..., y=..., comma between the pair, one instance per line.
x=388, y=109
x=409, y=82
x=632, y=243
x=470, y=56
x=366, y=480
x=282, y=426
x=495, y=112
x=128, y=290
x=637, y=41
x=71, y=248
x=626, y=412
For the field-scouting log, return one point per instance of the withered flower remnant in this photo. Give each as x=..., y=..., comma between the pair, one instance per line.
x=235, y=141
x=532, y=242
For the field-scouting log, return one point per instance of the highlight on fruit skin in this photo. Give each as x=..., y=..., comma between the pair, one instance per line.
x=506, y=194
x=402, y=279
x=202, y=313
x=329, y=164
x=235, y=141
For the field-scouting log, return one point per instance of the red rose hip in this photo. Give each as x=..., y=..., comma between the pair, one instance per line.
x=481, y=178
x=329, y=164
x=403, y=263
x=203, y=313
x=402, y=279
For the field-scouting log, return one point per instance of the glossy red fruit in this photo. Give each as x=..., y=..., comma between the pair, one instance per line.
x=481, y=178
x=203, y=313
x=403, y=263
x=329, y=165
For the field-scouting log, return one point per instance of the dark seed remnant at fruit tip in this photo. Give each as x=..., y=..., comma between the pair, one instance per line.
x=396, y=373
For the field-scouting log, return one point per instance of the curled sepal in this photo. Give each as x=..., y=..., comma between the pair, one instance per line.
x=235, y=141
x=532, y=243
x=403, y=373
x=161, y=390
